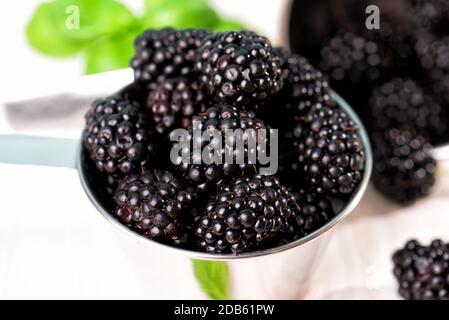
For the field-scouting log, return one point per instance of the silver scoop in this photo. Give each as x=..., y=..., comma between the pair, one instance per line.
x=58, y=152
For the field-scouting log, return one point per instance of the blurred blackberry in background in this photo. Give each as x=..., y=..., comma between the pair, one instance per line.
x=329, y=151
x=422, y=271
x=354, y=58
x=430, y=15
x=205, y=176
x=403, y=102
x=118, y=138
x=166, y=53
x=174, y=102
x=239, y=67
x=156, y=205
x=404, y=169
x=246, y=214
x=434, y=57
x=357, y=62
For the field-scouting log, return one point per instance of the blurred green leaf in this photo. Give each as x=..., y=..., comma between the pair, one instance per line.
x=45, y=37
x=181, y=14
x=97, y=18
x=213, y=277
x=155, y=5
x=64, y=27
x=110, y=53
x=227, y=25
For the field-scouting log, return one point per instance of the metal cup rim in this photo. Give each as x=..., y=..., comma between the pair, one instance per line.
x=350, y=206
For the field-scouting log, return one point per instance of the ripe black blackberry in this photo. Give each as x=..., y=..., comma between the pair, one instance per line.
x=246, y=215
x=317, y=210
x=238, y=67
x=404, y=169
x=303, y=85
x=166, y=53
x=118, y=138
x=207, y=176
x=329, y=152
x=423, y=271
x=403, y=102
x=302, y=82
x=174, y=102
x=156, y=205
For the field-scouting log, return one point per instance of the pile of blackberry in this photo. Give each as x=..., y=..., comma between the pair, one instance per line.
x=397, y=77
x=209, y=83
x=423, y=271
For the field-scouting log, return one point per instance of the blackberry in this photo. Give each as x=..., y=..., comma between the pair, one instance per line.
x=118, y=138
x=368, y=58
x=404, y=169
x=302, y=82
x=422, y=271
x=434, y=57
x=166, y=53
x=205, y=176
x=430, y=15
x=246, y=215
x=403, y=102
x=238, y=67
x=354, y=58
x=329, y=153
x=156, y=205
x=174, y=102
x=317, y=210
x=303, y=85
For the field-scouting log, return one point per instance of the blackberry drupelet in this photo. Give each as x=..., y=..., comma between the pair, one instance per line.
x=246, y=215
x=156, y=205
x=404, y=169
x=238, y=67
x=403, y=102
x=166, y=53
x=422, y=271
x=174, y=102
x=329, y=152
x=118, y=138
x=207, y=176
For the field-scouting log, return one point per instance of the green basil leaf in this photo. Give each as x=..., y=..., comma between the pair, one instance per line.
x=155, y=5
x=110, y=53
x=196, y=14
x=65, y=27
x=45, y=37
x=227, y=25
x=96, y=18
x=213, y=278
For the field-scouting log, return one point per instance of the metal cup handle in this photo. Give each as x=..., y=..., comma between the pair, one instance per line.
x=34, y=150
